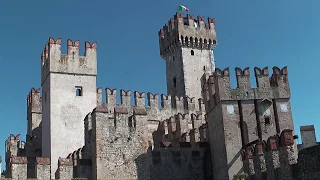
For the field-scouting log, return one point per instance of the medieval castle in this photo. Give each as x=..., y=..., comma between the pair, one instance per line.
x=202, y=129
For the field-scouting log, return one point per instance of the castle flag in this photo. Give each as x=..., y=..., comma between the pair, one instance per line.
x=181, y=8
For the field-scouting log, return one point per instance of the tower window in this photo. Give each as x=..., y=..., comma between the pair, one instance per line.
x=204, y=68
x=78, y=91
x=192, y=53
x=174, y=82
x=267, y=120
x=173, y=58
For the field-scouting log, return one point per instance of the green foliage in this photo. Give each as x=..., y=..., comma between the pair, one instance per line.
x=242, y=176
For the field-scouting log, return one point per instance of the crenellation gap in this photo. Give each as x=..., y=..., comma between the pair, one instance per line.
x=233, y=80
x=253, y=81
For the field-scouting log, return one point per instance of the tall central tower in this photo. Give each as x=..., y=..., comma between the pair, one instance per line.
x=69, y=93
x=186, y=44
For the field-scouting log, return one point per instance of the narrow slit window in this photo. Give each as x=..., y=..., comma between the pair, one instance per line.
x=174, y=82
x=79, y=91
x=192, y=53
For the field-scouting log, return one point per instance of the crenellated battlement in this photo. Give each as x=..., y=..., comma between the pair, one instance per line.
x=155, y=107
x=285, y=139
x=276, y=86
x=82, y=165
x=65, y=161
x=42, y=161
x=12, y=146
x=145, y=114
x=65, y=168
x=187, y=31
x=53, y=46
x=177, y=146
x=265, y=157
x=180, y=128
x=18, y=160
x=76, y=155
x=34, y=102
x=53, y=60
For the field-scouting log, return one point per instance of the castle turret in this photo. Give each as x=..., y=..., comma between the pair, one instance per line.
x=34, y=117
x=186, y=43
x=12, y=146
x=34, y=132
x=69, y=93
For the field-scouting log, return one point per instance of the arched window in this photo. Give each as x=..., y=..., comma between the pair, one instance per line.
x=78, y=91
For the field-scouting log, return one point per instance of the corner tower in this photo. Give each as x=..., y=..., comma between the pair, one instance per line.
x=69, y=93
x=240, y=117
x=186, y=44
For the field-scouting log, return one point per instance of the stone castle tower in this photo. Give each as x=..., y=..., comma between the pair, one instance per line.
x=187, y=45
x=202, y=129
x=68, y=84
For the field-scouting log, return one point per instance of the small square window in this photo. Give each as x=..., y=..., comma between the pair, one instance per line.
x=79, y=91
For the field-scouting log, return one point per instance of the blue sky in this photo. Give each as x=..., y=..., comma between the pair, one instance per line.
x=250, y=33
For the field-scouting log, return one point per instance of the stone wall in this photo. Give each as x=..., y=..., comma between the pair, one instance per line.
x=272, y=159
x=69, y=90
x=65, y=169
x=308, y=137
x=165, y=137
x=118, y=142
x=119, y=134
x=183, y=162
x=237, y=116
x=158, y=108
x=17, y=168
x=42, y=168
x=308, y=166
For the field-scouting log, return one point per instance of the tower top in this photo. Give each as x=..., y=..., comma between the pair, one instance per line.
x=53, y=61
x=187, y=31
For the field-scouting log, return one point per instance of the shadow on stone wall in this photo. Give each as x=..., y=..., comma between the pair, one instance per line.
x=171, y=163
x=308, y=166
x=33, y=149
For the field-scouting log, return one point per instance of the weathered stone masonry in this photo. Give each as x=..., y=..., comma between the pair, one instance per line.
x=202, y=129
